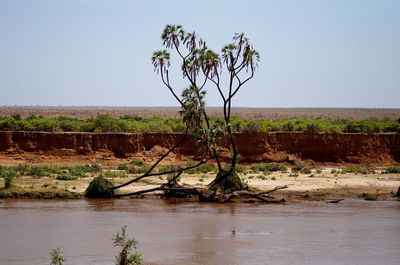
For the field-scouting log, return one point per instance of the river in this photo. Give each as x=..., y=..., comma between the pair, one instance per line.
x=351, y=232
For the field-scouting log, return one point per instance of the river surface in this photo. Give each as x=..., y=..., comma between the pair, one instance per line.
x=351, y=232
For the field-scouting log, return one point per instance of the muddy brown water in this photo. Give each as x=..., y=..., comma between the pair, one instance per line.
x=351, y=232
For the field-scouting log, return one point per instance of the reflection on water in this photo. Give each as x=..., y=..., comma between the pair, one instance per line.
x=352, y=232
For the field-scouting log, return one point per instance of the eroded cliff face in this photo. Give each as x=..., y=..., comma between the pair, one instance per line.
x=266, y=147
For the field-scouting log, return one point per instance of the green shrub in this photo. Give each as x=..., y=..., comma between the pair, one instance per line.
x=78, y=171
x=99, y=187
x=56, y=257
x=240, y=169
x=128, y=255
x=122, y=167
x=321, y=194
x=138, y=162
x=392, y=170
x=268, y=167
x=16, y=116
x=357, y=169
x=92, y=168
x=202, y=169
x=251, y=127
x=106, y=123
x=39, y=171
x=370, y=197
x=8, y=174
x=138, y=169
x=168, y=168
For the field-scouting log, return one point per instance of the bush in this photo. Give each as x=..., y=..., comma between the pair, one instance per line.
x=106, y=123
x=138, y=169
x=109, y=174
x=202, y=169
x=78, y=171
x=370, y=197
x=128, y=254
x=168, y=168
x=138, y=162
x=122, y=167
x=56, y=257
x=9, y=175
x=39, y=171
x=92, y=168
x=392, y=170
x=99, y=187
x=357, y=169
x=268, y=167
x=251, y=127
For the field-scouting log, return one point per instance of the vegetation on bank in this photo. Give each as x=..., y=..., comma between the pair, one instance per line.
x=61, y=182
x=134, y=124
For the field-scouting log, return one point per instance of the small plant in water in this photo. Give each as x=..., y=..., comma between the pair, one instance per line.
x=128, y=254
x=56, y=257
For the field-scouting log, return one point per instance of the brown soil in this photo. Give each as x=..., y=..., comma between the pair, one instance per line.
x=109, y=148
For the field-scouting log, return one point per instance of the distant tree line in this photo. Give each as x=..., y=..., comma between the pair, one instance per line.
x=134, y=124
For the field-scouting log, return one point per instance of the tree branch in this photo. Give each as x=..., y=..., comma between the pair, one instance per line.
x=169, y=87
x=184, y=138
x=161, y=187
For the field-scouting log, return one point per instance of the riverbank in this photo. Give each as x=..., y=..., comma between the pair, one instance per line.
x=377, y=149
x=315, y=184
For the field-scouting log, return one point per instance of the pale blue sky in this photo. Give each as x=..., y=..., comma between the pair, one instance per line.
x=332, y=53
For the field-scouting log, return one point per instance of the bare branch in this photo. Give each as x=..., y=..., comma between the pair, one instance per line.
x=242, y=82
x=166, y=83
x=162, y=187
x=183, y=139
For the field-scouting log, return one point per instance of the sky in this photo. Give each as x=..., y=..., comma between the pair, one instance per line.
x=314, y=53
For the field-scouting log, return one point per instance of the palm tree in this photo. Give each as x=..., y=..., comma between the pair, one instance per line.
x=200, y=65
x=160, y=60
x=172, y=35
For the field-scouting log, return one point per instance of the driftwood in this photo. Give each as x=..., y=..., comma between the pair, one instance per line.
x=263, y=196
x=207, y=195
x=172, y=189
x=164, y=187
